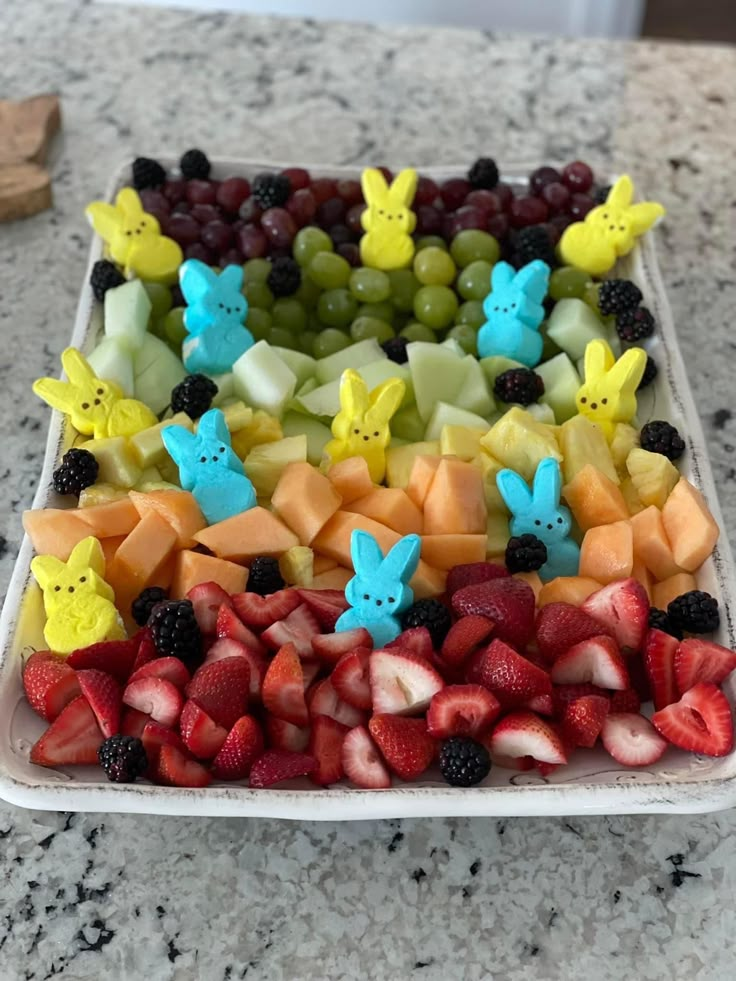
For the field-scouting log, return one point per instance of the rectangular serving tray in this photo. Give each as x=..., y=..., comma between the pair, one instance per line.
x=592, y=784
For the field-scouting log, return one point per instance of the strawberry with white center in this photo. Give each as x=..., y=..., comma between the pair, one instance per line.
x=283, y=735
x=299, y=628
x=351, y=678
x=207, y=598
x=175, y=769
x=72, y=738
x=659, y=662
x=464, y=637
x=596, y=660
x=169, y=668
x=631, y=739
x=405, y=744
x=560, y=626
x=277, y=765
x=623, y=607
x=325, y=604
x=157, y=698
x=508, y=602
x=200, y=734
x=283, y=688
x=525, y=734
x=49, y=683
x=462, y=710
x=700, y=722
x=418, y=640
x=153, y=737
x=583, y=720
x=230, y=625
x=329, y=648
x=362, y=762
x=322, y=699
x=401, y=682
x=702, y=660
x=261, y=611
x=104, y=695
x=243, y=745
x=512, y=678
x=325, y=745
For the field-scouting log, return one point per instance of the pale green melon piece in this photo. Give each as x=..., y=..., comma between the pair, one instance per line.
x=561, y=384
x=157, y=371
x=127, y=309
x=398, y=441
x=325, y=400
x=437, y=374
x=113, y=362
x=542, y=413
x=474, y=394
x=408, y=424
x=450, y=415
x=400, y=460
x=452, y=345
x=225, y=387
x=301, y=364
x=262, y=380
x=496, y=365
x=296, y=423
x=354, y=356
x=265, y=463
x=572, y=325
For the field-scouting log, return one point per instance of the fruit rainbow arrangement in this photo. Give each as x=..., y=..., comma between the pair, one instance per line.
x=355, y=489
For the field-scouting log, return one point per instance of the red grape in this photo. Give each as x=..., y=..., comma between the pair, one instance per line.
x=279, y=226
x=218, y=236
x=527, y=211
x=553, y=232
x=232, y=192
x=250, y=210
x=161, y=216
x=175, y=190
x=560, y=222
x=580, y=205
x=331, y=212
x=298, y=177
x=505, y=193
x=183, y=229
x=557, y=196
x=352, y=218
x=301, y=206
x=349, y=251
x=323, y=188
x=252, y=242
x=488, y=201
x=340, y=234
x=454, y=191
x=429, y=220
x=578, y=176
x=205, y=213
x=350, y=192
x=154, y=202
x=233, y=257
x=498, y=226
x=181, y=208
x=427, y=191
x=198, y=251
x=201, y=192
x=542, y=176
x=466, y=217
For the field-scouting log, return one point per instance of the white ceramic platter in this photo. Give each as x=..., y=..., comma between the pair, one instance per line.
x=592, y=784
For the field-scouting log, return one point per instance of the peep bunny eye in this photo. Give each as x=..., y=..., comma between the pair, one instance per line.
x=376, y=433
x=622, y=228
x=57, y=588
x=85, y=405
x=357, y=432
x=366, y=596
x=538, y=522
x=391, y=599
x=604, y=401
x=559, y=521
x=203, y=459
x=97, y=401
x=129, y=232
x=222, y=449
x=583, y=400
x=83, y=579
x=71, y=589
x=100, y=391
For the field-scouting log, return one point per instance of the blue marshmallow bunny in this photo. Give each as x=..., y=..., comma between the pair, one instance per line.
x=209, y=468
x=514, y=311
x=539, y=512
x=378, y=591
x=214, y=317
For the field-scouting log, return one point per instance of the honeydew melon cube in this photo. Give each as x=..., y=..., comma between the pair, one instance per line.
x=157, y=371
x=400, y=460
x=572, y=325
x=461, y=441
x=127, y=310
x=474, y=394
x=262, y=380
x=561, y=384
x=518, y=441
x=301, y=364
x=317, y=433
x=451, y=415
x=147, y=446
x=437, y=373
x=225, y=387
x=496, y=365
x=118, y=465
x=452, y=345
x=354, y=356
x=266, y=462
x=542, y=413
x=408, y=424
x=112, y=361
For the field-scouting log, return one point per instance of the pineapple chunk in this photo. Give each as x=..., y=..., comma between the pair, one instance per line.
x=625, y=439
x=266, y=462
x=489, y=467
x=400, y=460
x=296, y=565
x=118, y=464
x=633, y=501
x=460, y=441
x=262, y=428
x=147, y=446
x=497, y=530
x=100, y=494
x=582, y=442
x=653, y=476
x=518, y=441
x=237, y=414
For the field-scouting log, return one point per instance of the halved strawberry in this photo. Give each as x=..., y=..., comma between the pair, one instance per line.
x=133, y=722
x=464, y=637
x=462, y=710
x=329, y=648
x=542, y=704
x=631, y=739
x=310, y=670
x=560, y=626
x=322, y=699
x=596, y=660
x=200, y=734
x=170, y=668
x=157, y=698
x=72, y=738
x=508, y=602
x=222, y=689
x=401, y=682
x=583, y=720
x=405, y=744
x=525, y=734
x=418, y=640
x=522, y=763
x=362, y=762
x=104, y=695
x=325, y=745
x=626, y=701
x=243, y=745
x=207, y=598
x=512, y=678
x=326, y=604
x=699, y=723
x=299, y=628
x=564, y=695
x=153, y=737
x=277, y=765
x=283, y=687
x=226, y=647
x=283, y=735
x=702, y=660
x=229, y=624
x=49, y=683
x=176, y=770
x=659, y=661
x=623, y=607
x=261, y=611
x=146, y=652
x=350, y=678
x=116, y=657
x=473, y=573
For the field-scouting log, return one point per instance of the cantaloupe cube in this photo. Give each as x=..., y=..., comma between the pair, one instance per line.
x=54, y=531
x=165, y=572
x=427, y=582
x=178, y=508
x=144, y=550
x=607, y=552
x=351, y=478
x=247, y=535
x=664, y=592
x=305, y=499
x=455, y=503
x=690, y=527
x=422, y=474
x=109, y=520
x=400, y=460
x=640, y=572
x=334, y=539
x=651, y=545
x=193, y=568
x=110, y=547
x=322, y=563
x=533, y=580
x=567, y=589
x=594, y=499
x=446, y=551
x=393, y=507
x=336, y=578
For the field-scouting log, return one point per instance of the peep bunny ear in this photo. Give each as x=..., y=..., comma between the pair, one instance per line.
x=365, y=553
x=374, y=185
x=45, y=569
x=514, y=490
x=129, y=202
x=385, y=399
x=212, y=426
x=231, y=278
x=404, y=186
x=77, y=367
x=547, y=484
x=533, y=280
x=88, y=554
x=401, y=562
x=104, y=218
x=179, y=443
x=502, y=276
x=599, y=359
x=58, y=394
x=196, y=279
x=621, y=193
x=642, y=216
x=627, y=372
x=353, y=394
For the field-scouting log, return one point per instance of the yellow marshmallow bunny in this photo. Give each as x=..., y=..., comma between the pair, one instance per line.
x=608, y=394
x=388, y=220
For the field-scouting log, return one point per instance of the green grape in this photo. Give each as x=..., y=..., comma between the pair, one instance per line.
x=471, y=312
x=289, y=313
x=281, y=337
x=174, y=328
x=401, y=320
x=379, y=311
x=259, y=323
x=404, y=285
x=471, y=244
x=364, y=327
x=308, y=293
x=256, y=270
x=330, y=341
x=430, y=242
x=258, y=295
x=418, y=332
x=160, y=297
x=337, y=308
x=590, y=295
x=434, y=266
x=308, y=242
x=306, y=341
x=329, y=270
x=568, y=281
x=369, y=285
x=466, y=337
x=435, y=306
x=474, y=282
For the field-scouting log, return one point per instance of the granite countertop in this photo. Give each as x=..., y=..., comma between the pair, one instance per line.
x=109, y=896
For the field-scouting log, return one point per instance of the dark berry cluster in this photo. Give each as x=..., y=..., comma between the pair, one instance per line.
x=695, y=611
x=483, y=173
x=123, y=758
x=271, y=190
x=533, y=242
x=429, y=613
x=147, y=173
x=525, y=553
x=662, y=437
x=105, y=276
x=650, y=373
x=464, y=762
x=520, y=386
x=395, y=348
x=264, y=576
x=142, y=606
x=285, y=277
x=194, y=165
x=193, y=395
x=616, y=296
x=635, y=325
x=175, y=631
x=78, y=469
x=658, y=620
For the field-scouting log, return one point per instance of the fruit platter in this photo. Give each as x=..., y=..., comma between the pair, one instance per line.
x=370, y=494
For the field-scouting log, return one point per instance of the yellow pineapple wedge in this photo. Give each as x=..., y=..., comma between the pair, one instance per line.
x=461, y=441
x=653, y=476
x=400, y=460
x=489, y=467
x=100, y=494
x=518, y=441
x=296, y=566
x=497, y=530
x=262, y=428
x=582, y=442
x=265, y=463
x=633, y=501
x=625, y=439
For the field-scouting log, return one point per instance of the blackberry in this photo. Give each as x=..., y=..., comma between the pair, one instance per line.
x=525, y=553
x=635, y=325
x=600, y=195
x=142, y=606
x=264, y=576
x=193, y=395
x=78, y=469
x=532, y=243
x=147, y=173
x=123, y=758
x=285, y=277
x=695, y=611
x=650, y=373
x=464, y=762
x=105, y=276
x=271, y=190
x=658, y=620
x=194, y=165
x=521, y=386
x=484, y=173
x=395, y=348
x=618, y=296
x=429, y=613
x=660, y=437
x=175, y=631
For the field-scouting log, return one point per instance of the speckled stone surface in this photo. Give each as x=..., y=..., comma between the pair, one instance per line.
x=106, y=896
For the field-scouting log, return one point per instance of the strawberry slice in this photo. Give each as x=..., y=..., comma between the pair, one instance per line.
x=659, y=661
x=622, y=607
x=206, y=599
x=283, y=735
x=596, y=660
x=169, y=668
x=133, y=722
x=104, y=695
x=418, y=640
x=631, y=739
x=277, y=765
x=228, y=647
x=283, y=687
x=543, y=704
x=222, y=688
x=560, y=626
x=405, y=744
x=626, y=701
x=702, y=660
x=157, y=698
x=525, y=734
x=351, y=680
x=230, y=625
x=146, y=652
x=322, y=699
x=329, y=648
x=72, y=738
x=200, y=734
x=299, y=628
x=462, y=710
x=153, y=737
x=699, y=723
x=261, y=611
x=243, y=745
x=464, y=637
x=361, y=761
x=583, y=720
x=49, y=683
x=325, y=745
x=473, y=573
x=176, y=770
x=564, y=695
x=116, y=657
x=326, y=604
x=508, y=602
x=512, y=678
x=310, y=670
x=401, y=682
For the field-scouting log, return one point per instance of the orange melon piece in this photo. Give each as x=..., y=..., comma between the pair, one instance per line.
x=112, y=519
x=351, y=478
x=640, y=572
x=247, y=535
x=607, y=552
x=192, y=568
x=664, y=592
x=651, y=545
x=110, y=547
x=455, y=503
x=422, y=474
x=689, y=525
x=567, y=589
x=334, y=539
x=165, y=572
x=55, y=532
x=143, y=552
x=594, y=499
x=322, y=564
x=427, y=582
x=532, y=578
x=336, y=578
x=305, y=499
x=178, y=508
x=446, y=551
x=393, y=507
